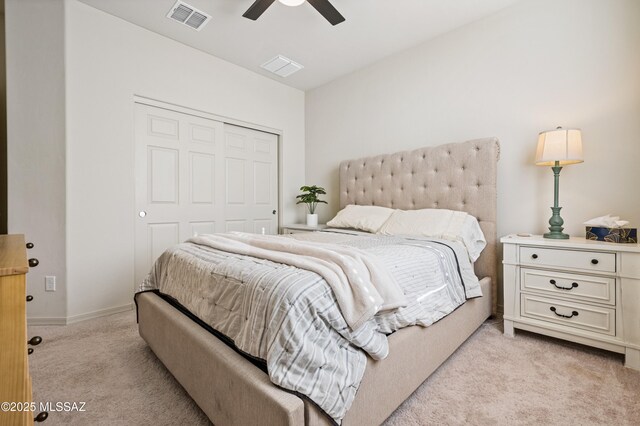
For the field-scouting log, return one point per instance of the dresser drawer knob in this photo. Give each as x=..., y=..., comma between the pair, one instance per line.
x=29, y=298
x=594, y=261
x=41, y=417
x=534, y=256
x=33, y=262
x=573, y=314
x=573, y=285
x=30, y=245
x=35, y=340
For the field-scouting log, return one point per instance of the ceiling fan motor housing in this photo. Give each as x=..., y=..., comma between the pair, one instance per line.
x=325, y=8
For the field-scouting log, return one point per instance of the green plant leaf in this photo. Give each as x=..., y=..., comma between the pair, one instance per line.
x=310, y=195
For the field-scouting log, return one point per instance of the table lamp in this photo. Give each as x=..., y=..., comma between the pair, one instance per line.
x=558, y=148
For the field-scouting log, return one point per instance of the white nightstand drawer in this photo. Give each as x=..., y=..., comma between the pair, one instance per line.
x=569, y=259
x=570, y=286
x=570, y=314
x=606, y=298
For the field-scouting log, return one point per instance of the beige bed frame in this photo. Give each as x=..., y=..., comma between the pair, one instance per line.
x=232, y=391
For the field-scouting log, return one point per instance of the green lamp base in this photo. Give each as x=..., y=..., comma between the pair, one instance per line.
x=556, y=235
x=556, y=222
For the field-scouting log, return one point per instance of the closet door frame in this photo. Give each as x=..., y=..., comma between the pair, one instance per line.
x=226, y=120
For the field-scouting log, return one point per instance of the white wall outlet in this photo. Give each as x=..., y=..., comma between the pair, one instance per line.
x=50, y=283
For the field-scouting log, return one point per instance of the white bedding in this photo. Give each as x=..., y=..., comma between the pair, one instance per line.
x=433, y=223
x=360, y=287
x=289, y=316
x=365, y=218
x=438, y=223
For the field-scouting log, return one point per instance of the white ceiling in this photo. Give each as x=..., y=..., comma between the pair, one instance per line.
x=373, y=30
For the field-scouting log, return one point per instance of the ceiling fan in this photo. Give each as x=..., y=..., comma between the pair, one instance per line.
x=325, y=8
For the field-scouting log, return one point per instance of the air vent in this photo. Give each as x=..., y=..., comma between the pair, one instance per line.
x=188, y=15
x=282, y=66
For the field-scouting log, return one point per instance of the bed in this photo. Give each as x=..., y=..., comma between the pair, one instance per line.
x=229, y=387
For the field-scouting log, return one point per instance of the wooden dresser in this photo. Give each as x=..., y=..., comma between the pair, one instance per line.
x=15, y=382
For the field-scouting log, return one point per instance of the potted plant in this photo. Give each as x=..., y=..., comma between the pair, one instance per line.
x=309, y=197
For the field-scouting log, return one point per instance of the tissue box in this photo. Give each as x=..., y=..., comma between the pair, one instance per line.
x=612, y=235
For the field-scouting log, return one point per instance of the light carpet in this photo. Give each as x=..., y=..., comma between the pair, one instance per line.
x=490, y=380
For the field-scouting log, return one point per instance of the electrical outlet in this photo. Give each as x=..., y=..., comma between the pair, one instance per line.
x=50, y=283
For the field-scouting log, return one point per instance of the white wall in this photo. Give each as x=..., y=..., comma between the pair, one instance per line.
x=108, y=62
x=531, y=67
x=36, y=143
x=73, y=73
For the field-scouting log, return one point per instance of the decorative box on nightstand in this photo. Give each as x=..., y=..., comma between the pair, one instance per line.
x=579, y=290
x=298, y=228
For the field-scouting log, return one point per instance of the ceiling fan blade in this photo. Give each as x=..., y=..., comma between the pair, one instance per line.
x=257, y=8
x=327, y=10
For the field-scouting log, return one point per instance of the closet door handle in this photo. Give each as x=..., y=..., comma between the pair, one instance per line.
x=33, y=262
x=29, y=245
x=29, y=298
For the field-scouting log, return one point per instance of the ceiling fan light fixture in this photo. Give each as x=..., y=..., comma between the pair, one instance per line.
x=324, y=7
x=292, y=2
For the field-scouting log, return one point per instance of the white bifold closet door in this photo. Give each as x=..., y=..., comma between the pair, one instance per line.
x=251, y=180
x=195, y=176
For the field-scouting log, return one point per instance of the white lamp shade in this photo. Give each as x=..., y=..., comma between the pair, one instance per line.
x=292, y=2
x=561, y=145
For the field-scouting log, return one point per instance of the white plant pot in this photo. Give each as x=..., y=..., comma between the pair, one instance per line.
x=312, y=219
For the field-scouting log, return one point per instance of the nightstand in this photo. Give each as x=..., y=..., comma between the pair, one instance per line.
x=579, y=290
x=298, y=228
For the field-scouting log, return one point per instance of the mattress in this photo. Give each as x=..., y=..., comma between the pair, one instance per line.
x=290, y=319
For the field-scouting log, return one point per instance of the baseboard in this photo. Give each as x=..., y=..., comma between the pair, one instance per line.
x=47, y=321
x=100, y=313
x=78, y=318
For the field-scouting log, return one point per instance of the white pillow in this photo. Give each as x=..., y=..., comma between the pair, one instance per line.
x=365, y=218
x=438, y=223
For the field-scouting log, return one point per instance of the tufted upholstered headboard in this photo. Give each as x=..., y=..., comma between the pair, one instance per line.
x=457, y=176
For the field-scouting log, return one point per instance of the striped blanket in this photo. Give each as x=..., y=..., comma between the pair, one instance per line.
x=360, y=287
x=289, y=317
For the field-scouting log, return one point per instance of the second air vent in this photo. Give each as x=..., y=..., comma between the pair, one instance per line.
x=282, y=66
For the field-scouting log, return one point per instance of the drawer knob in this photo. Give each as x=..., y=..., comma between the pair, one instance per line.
x=573, y=285
x=41, y=417
x=35, y=340
x=534, y=256
x=30, y=245
x=33, y=262
x=29, y=298
x=594, y=261
x=573, y=314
